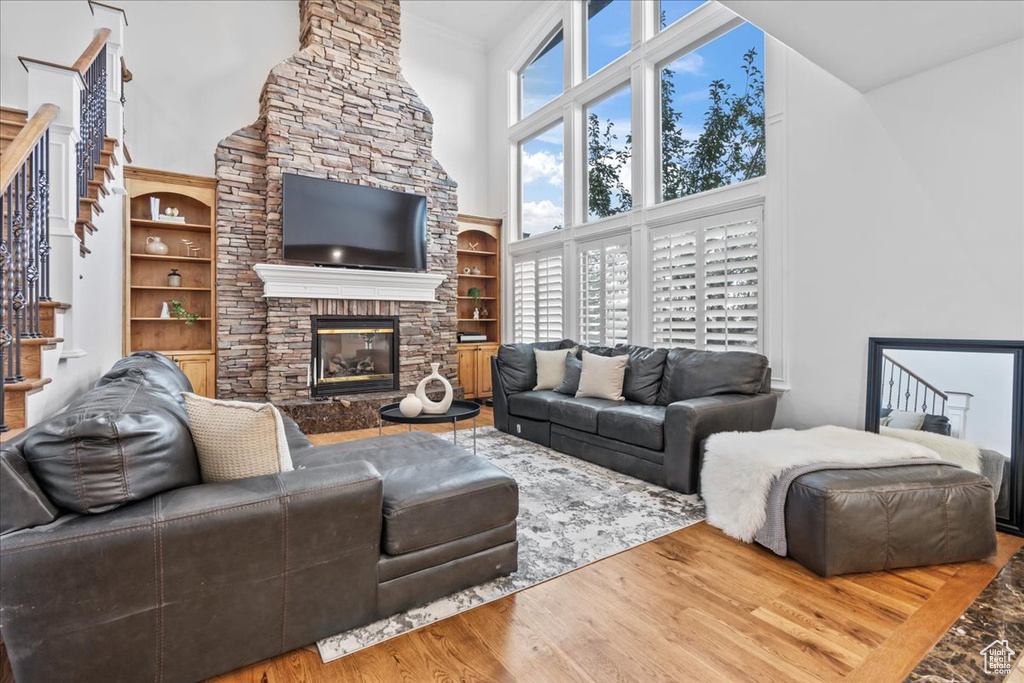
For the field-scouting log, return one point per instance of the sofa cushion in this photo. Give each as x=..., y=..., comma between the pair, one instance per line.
x=579, y=413
x=297, y=440
x=571, y=383
x=434, y=492
x=694, y=374
x=518, y=367
x=22, y=503
x=120, y=442
x=644, y=371
x=153, y=369
x=638, y=424
x=535, y=405
x=602, y=377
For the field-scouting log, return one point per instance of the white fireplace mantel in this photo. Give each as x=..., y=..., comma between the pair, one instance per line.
x=310, y=282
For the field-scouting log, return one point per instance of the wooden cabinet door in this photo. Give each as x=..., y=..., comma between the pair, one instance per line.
x=483, y=370
x=468, y=370
x=201, y=370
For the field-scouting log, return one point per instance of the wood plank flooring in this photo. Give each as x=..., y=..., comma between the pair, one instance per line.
x=691, y=606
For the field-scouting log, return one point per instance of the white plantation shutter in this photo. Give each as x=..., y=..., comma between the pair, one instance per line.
x=604, y=292
x=524, y=293
x=550, y=298
x=706, y=282
x=674, y=271
x=538, y=293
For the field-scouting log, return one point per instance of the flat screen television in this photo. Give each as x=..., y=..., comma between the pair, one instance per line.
x=327, y=222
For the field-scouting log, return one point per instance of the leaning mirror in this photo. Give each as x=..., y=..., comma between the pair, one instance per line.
x=962, y=398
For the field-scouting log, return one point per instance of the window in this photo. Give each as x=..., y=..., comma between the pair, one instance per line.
x=541, y=167
x=538, y=288
x=604, y=292
x=541, y=80
x=609, y=155
x=706, y=282
x=608, y=32
x=712, y=115
x=671, y=11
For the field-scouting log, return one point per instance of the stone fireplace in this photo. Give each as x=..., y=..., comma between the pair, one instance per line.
x=353, y=355
x=338, y=109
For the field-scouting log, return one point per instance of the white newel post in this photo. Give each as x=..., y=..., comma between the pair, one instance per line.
x=114, y=19
x=62, y=87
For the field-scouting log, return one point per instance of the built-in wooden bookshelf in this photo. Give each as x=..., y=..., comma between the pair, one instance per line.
x=192, y=345
x=479, y=258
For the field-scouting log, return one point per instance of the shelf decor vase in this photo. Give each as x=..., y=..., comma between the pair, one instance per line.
x=154, y=208
x=430, y=407
x=165, y=311
x=411, y=406
x=174, y=278
x=155, y=246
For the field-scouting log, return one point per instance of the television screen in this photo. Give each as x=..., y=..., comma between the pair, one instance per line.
x=332, y=223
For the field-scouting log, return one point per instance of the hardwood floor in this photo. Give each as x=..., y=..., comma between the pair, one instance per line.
x=691, y=606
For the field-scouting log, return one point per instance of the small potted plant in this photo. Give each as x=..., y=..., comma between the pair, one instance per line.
x=178, y=310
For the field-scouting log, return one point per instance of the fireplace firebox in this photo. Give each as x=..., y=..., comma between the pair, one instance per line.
x=353, y=355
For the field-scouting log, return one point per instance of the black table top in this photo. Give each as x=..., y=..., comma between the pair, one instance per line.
x=459, y=410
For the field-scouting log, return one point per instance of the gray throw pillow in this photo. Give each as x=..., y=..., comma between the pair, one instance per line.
x=518, y=367
x=571, y=384
x=644, y=371
x=693, y=374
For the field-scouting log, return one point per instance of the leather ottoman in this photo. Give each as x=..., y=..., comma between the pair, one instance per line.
x=864, y=520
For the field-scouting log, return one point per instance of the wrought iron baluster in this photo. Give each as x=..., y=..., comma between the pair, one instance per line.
x=43, y=183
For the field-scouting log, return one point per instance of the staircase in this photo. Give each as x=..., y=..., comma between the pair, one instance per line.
x=32, y=323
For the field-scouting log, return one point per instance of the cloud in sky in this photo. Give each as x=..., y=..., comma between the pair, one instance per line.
x=540, y=216
x=542, y=165
x=692, y=65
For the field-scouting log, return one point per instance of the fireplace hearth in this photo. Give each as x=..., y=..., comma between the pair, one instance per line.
x=353, y=354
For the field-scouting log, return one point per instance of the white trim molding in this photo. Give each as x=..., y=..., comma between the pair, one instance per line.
x=311, y=282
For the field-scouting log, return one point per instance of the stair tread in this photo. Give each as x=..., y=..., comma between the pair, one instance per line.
x=28, y=384
x=54, y=304
x=42, y=341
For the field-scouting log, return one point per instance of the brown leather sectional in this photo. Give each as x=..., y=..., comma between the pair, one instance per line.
x=204, y=578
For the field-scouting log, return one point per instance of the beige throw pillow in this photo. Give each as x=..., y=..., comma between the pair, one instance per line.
x=550, y=367
x=902, y=419
x=237, y=440
x=602, y=376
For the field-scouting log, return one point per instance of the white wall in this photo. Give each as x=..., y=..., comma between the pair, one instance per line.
x=905, y=219
x=199, y=66
x=989, y=376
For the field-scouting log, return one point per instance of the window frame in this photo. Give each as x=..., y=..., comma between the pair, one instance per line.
x=520, y=99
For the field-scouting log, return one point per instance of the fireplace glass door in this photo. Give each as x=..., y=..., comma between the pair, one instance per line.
x=354, y=355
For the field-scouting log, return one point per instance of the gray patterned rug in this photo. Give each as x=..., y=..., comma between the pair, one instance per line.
x=571, y=513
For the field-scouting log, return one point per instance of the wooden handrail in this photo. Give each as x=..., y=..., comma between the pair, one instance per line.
x=83, y=63
x=910, y=372
x=24, y=142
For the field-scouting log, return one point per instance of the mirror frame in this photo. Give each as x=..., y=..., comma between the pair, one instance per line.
x=1014, y=524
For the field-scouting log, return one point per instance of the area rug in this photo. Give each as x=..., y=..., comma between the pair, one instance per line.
x=571, y=513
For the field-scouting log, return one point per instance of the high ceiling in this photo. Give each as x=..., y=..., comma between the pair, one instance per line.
x=483, y=21
x=869, y=43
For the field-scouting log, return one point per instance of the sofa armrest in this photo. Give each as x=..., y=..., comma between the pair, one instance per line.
x=499, y=397
x=688, y=423
x=250, y=568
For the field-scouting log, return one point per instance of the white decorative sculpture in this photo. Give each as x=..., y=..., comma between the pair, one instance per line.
x=411, y=406
x=430, y=407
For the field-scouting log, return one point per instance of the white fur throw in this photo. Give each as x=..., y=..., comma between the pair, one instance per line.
x=740, y=467
x=956, y=451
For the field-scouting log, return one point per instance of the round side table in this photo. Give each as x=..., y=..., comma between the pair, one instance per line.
x=459, y=411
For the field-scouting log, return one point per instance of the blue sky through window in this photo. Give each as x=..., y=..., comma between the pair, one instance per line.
x=542, y=78
x=608, y=33
x=674, y=10
x=541, y=171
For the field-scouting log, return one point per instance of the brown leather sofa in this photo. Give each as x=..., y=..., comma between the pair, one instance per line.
x=201, y=579
x=675, y=398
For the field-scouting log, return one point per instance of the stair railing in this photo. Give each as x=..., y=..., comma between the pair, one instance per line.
x=24, y=240
x=909, y=390
x=92, y=65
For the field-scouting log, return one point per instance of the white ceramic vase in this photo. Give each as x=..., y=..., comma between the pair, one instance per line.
x=411, y=406
x=430, y=407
